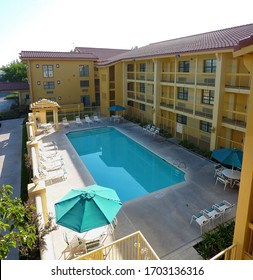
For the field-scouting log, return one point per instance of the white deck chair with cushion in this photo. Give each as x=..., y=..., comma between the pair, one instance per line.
x=49, y=144
x=78, y=121
x=50, y=176
x=224, y=207
x=49, y=154
x=96, y=119
x=49, y=166
x=65, y=122
x=212, y=214
x=88, y=120
x=201, y=220
x=218, y=168
x=51, y=158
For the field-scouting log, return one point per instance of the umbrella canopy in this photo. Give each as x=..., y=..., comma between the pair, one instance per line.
x=117, y=108
x=228, y=156
x=87, y=208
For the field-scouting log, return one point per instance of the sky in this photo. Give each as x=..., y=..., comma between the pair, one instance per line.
x=61, y=25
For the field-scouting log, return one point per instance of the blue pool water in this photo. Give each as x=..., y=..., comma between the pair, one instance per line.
x=117, y=162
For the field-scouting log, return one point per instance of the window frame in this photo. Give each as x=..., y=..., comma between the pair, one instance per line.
x=209, y=66
x=47, y=71
x=48, y=85
x=184, y=66
x=84, y=70
x=182, y=95
x=209, y=98
x=205, y=126
x=181, y=119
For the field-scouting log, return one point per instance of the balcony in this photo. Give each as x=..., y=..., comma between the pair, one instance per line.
x=131, y=247
x=237, y=83
x=204, y=111
x=167, y=102
x=184, y=107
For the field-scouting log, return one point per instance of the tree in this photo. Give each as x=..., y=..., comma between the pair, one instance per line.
x=14, y=72
x=20, y=226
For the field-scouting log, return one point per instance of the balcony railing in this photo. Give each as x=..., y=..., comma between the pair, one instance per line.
x=131, y=247
x=227, y=254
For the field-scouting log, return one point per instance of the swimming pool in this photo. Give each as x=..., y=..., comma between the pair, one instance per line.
x=116, y=161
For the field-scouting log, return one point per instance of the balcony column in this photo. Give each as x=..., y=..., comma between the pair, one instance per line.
x=218, y=100
x=244, y=214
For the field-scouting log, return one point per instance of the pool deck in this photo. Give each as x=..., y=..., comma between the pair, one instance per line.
x=163, y=216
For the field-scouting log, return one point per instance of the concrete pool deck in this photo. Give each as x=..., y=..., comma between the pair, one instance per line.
x=164, y=216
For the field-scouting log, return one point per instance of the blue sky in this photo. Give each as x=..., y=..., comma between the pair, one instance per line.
x=59, y=25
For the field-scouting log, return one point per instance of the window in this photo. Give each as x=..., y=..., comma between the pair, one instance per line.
x=142, y=87
x=210, y=66
x=184, y=66
x=181, y=119
x=47, y=71
x=130, y=67
x=84, y=83
x=142, y=107
x=84, y=70
x=142, y=67
x=207, y=96
x=130, y=103
x=48, y=85
x=205, y=126
x=182, y=93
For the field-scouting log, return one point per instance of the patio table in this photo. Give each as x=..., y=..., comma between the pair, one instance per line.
x=231, y=175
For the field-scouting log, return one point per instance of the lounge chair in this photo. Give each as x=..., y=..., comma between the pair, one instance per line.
x=201, y=220
x=48, y=144
x=78, y=121
x=147, y=127
x=65, y=122
x=156, y=131
x=49, y=154
x=47, y=148
x=88, y=120
x=49, y=166
x=224, y=207
x=51, y=158
x=52, y=175
x=222, y=180
x=212, y=214
x=96, y=119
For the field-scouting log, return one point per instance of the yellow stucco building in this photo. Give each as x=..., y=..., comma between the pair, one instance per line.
x=69, y=78
x=192, y=87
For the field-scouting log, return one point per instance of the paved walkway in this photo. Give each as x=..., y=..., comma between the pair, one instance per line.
x=162, y=216
x=10, y=160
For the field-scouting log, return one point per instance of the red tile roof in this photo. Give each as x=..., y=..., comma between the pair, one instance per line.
x=100, y=53
x=210, y=41
x=55, y=55
x=11, y=86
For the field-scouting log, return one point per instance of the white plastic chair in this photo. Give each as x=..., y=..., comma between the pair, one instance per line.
x=201, y=220
x=224, y=207
x=65, y=122
x=212, y=214
x=88, y=120
x=50, y=166
x=78, y=121
x=223, y=181
x=96, y=119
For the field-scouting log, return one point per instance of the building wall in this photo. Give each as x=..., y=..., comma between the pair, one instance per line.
x=66, y=79
x=153, y=91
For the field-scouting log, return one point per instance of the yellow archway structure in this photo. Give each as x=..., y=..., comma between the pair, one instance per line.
x=40, y=108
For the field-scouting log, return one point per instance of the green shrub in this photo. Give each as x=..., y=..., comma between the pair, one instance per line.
x=216, y=240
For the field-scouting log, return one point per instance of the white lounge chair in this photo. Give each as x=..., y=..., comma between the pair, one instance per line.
x=88, y=120
x=147, y=127
x=213, y=214
x=201, y=220
x=96, y=119
x=53, y=175
x=47, y=148
x=78, y=121
x=65, y=122
x=49, y=166
x=49, y=154
x=224, y=207
x=156, y=131
x=49, y=144
x=51, y=158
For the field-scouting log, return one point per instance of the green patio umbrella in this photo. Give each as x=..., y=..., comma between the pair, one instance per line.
x=87, y=208
x=228, y=156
